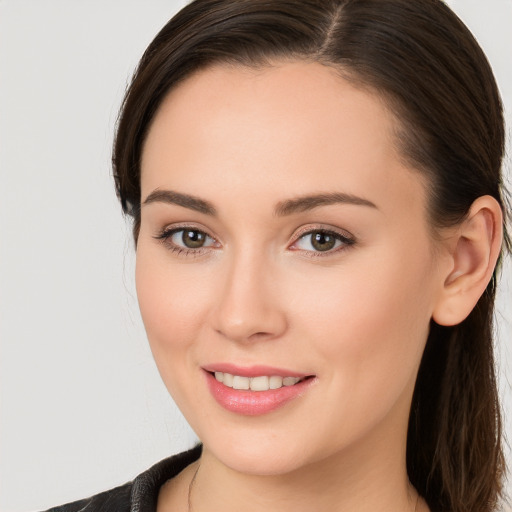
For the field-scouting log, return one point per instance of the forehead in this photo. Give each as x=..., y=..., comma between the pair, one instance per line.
x=244, y=97
x=298, y=123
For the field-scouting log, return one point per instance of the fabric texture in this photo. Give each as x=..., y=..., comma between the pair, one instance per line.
x=141, y=494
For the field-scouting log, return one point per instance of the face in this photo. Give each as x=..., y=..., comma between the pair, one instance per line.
x=283, y=236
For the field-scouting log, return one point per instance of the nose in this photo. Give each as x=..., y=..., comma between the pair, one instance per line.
x=249, y=306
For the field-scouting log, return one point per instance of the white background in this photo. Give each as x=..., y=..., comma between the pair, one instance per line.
x=82, y=406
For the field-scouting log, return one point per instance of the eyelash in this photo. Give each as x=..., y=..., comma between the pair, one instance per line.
x=166, y=234
x=346, y=240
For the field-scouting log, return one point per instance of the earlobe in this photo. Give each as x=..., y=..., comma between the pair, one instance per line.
x=474, y=253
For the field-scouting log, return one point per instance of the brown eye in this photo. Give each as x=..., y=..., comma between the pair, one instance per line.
x=186, y=239
x=192, y=238
x=322, y=241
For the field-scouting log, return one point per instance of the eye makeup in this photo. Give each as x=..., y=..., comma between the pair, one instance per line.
x=313, y=241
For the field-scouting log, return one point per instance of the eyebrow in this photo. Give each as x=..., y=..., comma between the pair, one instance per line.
x=282, y=209
x=185, y=200
x=305, y=203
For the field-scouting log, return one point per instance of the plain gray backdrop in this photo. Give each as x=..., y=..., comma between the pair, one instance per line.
x=82, y=406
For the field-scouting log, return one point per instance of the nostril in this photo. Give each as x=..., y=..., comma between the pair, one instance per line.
x=258, y=335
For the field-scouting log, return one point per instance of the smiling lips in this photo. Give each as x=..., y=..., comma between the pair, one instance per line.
x=256, y=394
x=260, y=383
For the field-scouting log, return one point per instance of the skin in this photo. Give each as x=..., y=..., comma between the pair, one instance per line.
x=355, y=317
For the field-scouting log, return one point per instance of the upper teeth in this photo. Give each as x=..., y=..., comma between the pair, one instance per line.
x=262, y=383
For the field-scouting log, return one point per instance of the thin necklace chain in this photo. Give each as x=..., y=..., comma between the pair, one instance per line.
x=191, y=485
x=417, y=501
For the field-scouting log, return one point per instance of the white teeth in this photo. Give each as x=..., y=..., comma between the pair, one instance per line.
x=275, y=382
x=260, y=383
x=290, y=381
x=241, y=382
x=227, y=379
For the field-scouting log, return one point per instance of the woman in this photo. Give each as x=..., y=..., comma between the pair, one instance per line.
x=318, y=214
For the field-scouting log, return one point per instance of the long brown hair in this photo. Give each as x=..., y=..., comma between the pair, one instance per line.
x=437, y=82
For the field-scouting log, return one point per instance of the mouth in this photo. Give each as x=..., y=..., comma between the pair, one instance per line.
x=259, y=390
x=258, y=383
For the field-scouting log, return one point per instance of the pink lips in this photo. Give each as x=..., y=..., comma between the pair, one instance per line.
x=253, y=403
x=251, y=371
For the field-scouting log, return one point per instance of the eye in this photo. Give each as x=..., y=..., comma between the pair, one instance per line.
x=190, y=238
x=186, y=239
x=321, y=240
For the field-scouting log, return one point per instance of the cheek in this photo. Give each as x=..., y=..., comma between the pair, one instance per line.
x=173, y=303
x=370, y=321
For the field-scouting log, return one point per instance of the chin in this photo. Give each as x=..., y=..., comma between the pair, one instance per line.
x=256, y=456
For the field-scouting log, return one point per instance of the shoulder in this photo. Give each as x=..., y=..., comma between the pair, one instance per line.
x=141, y=494
x=117, y=499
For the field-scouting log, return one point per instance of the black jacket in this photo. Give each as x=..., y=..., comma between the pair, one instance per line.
x=141, y=495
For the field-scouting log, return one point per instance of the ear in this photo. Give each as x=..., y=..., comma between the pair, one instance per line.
x=474, y=250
